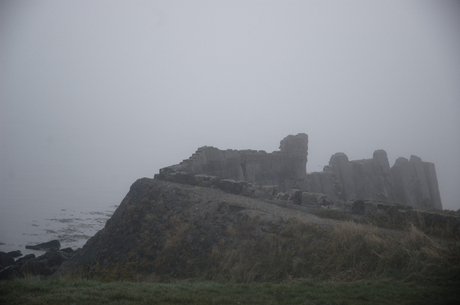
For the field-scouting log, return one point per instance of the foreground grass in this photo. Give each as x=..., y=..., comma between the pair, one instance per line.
x=382, y=291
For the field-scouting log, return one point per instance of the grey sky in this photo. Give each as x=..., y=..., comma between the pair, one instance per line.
x=95, y=94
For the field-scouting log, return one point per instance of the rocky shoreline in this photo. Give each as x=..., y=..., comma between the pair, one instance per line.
x=66, y=230
x=30, y=265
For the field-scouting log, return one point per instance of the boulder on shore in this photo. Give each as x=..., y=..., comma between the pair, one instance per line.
x=41, y=266
x=53, y=245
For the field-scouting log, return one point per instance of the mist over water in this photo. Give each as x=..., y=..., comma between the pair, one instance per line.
x=96, y=94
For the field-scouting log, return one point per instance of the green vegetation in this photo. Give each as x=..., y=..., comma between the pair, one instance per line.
x=299, y=263
x=440, y=224
x=301, y=250
x=436, y=223
x=383, y=291
x=347, y=252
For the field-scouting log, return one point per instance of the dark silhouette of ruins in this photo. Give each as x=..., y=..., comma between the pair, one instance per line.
x=412, y=182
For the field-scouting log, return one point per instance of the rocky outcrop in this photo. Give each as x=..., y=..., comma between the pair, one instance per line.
x=315, y=199
x=164, y=231
x=6, y=259
x=174, y=230
x=285, y=168
x=30, y=265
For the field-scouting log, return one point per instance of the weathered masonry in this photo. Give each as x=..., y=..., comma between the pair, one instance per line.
x=412, y=182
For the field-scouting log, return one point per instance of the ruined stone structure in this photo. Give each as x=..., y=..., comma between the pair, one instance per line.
x=412, y=182
x=346, y=180
x=285, y=168
x=416, y=182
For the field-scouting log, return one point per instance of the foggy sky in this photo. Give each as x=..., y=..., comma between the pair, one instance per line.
x=96, y=94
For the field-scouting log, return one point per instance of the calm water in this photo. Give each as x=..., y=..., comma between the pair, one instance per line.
x=72, y=227
x=71, y=215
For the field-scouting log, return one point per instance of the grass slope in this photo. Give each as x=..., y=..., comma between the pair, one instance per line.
x=383, y=291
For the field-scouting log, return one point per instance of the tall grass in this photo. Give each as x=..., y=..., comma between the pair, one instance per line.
x=349, y=251
x=243, y=253
x=440, y=224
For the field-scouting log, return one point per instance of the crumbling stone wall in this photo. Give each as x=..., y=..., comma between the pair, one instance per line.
x=416, y=183
x=412, y=182
x=285, y=168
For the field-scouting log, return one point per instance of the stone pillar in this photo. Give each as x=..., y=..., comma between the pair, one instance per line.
x=340, y=166
x=415, y=183
x=419, y=182
x=383, y=186
x=401, y=178
x=362, y=177
x=293, y=167
x=433, y=187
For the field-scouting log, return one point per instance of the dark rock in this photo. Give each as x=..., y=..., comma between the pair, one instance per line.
x=16, y=253
x=68, y=250
x=25, y=258
x=6, y=260
x=297, y=196
x=35, y=267
x=10, y=273
x=55, y=258
x=260, y=191
x=437, y=219
x=315, y=199
x=358, y=207
x=283, y=196
x=53, y=245
x=45, y=264
x=231, y=186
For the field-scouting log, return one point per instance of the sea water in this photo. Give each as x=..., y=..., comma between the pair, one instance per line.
x=63, y=215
